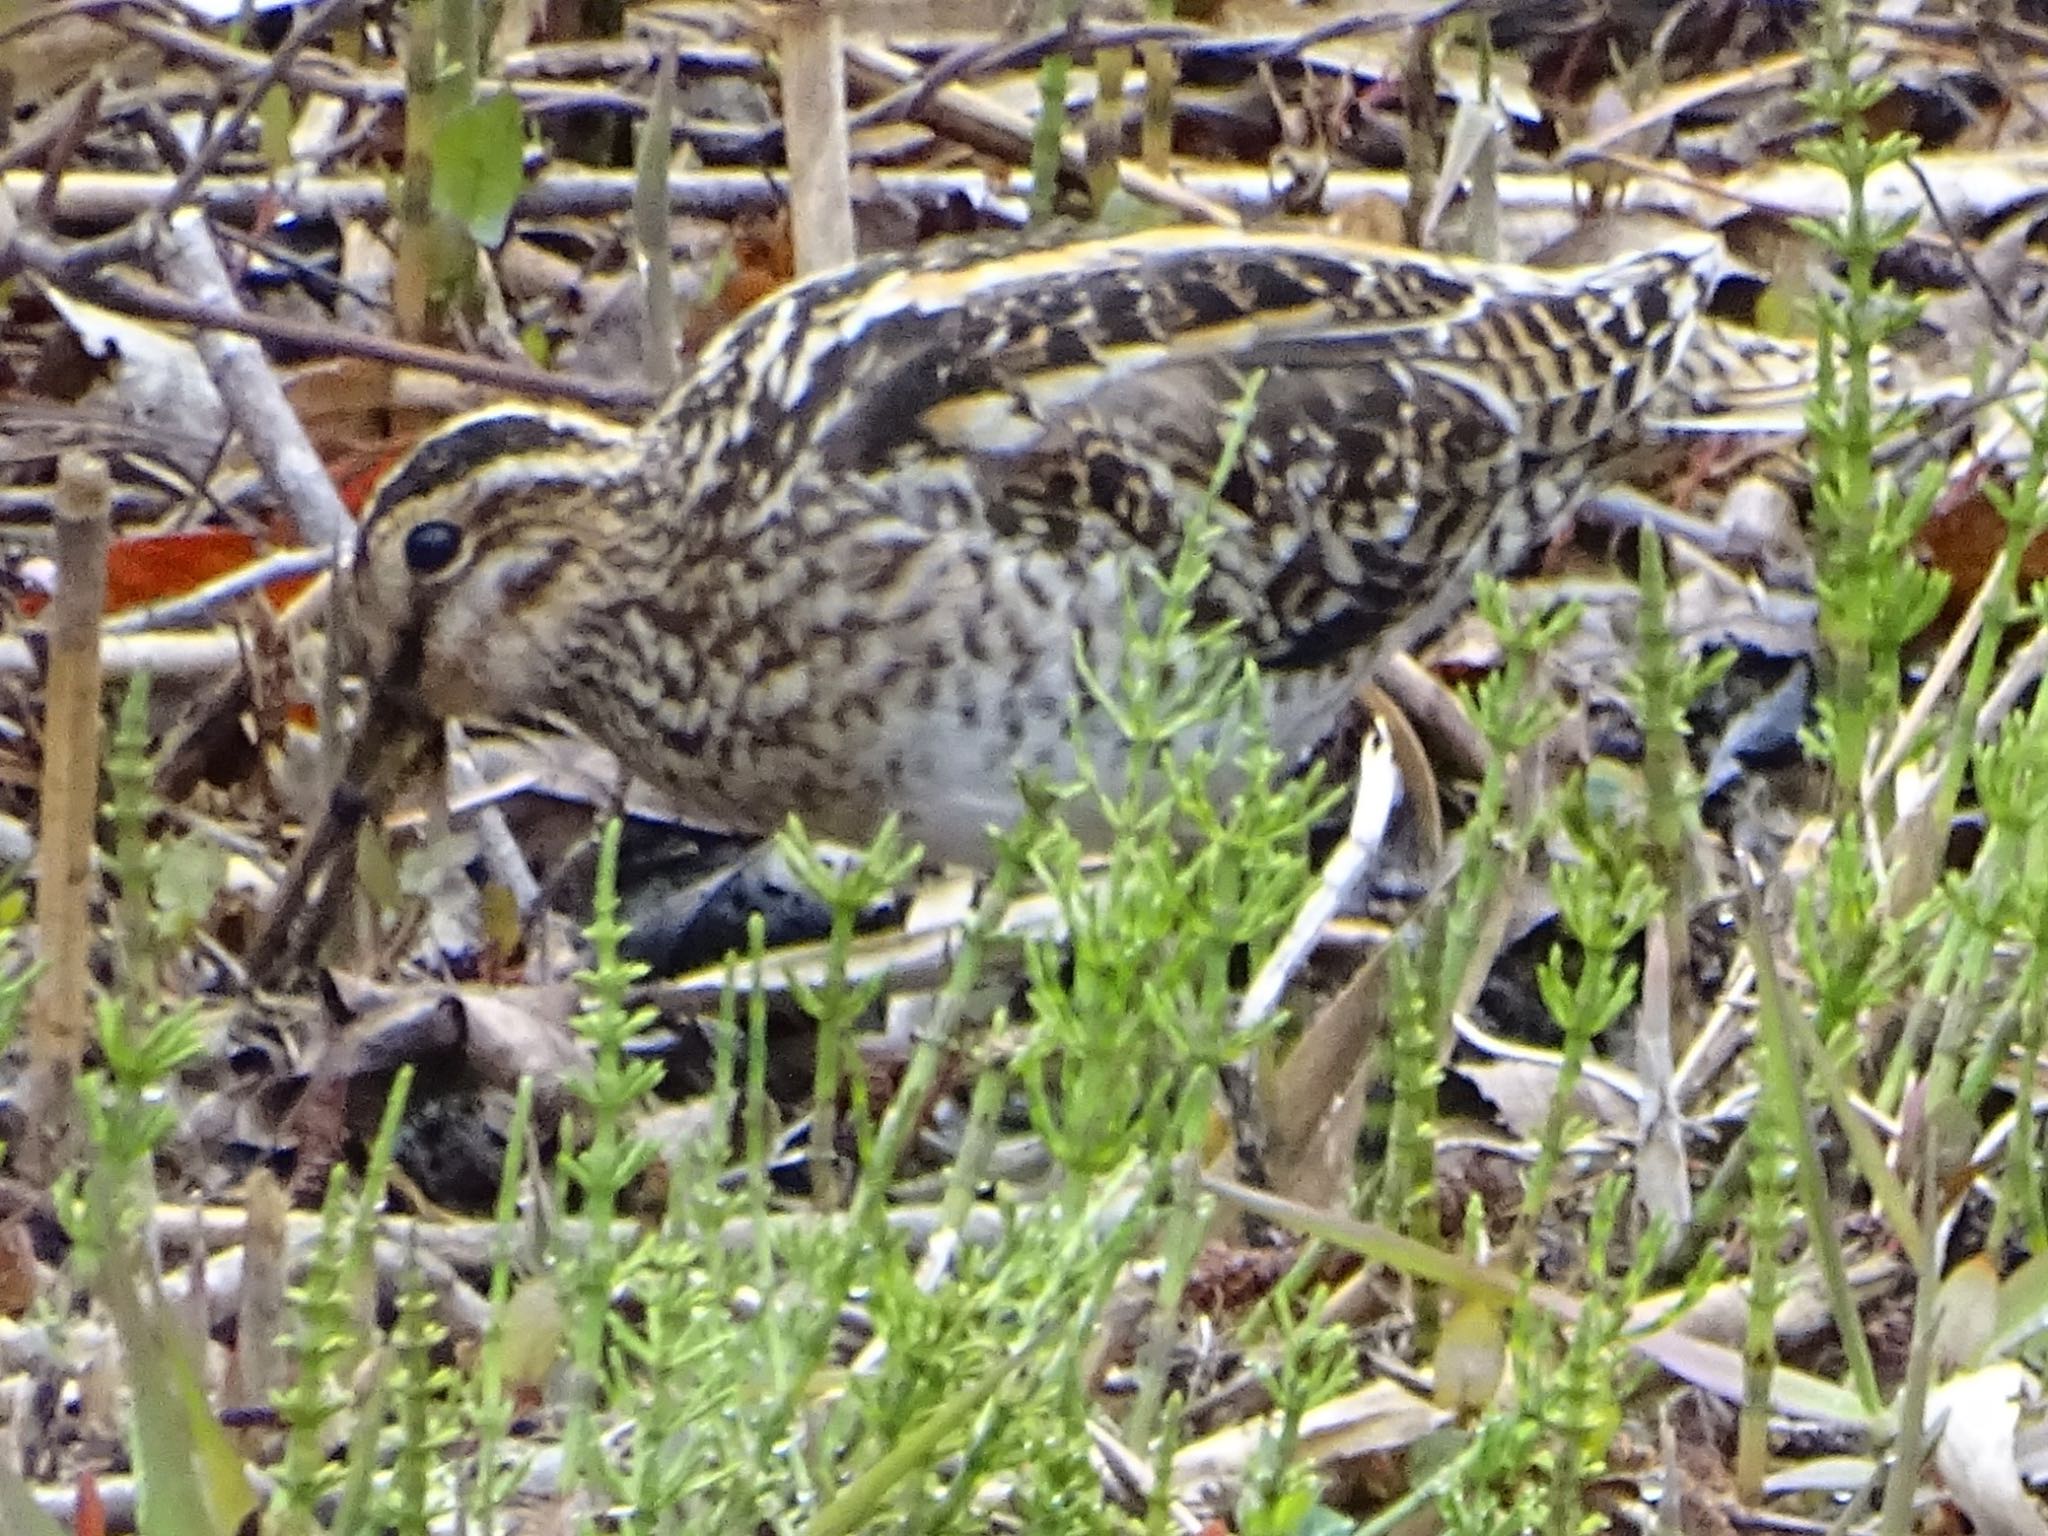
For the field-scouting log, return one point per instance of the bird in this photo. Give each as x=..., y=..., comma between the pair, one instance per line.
x=852, y=565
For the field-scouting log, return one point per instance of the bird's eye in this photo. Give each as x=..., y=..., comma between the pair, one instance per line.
x=432, y=546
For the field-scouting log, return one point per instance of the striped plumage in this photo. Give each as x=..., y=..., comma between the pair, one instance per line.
x=843, y=570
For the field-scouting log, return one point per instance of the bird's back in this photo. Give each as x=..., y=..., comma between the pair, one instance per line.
x=966, y=350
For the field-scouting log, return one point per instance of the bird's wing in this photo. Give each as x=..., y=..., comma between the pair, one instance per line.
x=945, y=352
x=1415, y=417
x=1417, y=414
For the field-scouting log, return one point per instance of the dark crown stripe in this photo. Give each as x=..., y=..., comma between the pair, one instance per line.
x=468, y=446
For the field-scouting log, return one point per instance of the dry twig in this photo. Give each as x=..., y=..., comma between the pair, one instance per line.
x=58, y=1023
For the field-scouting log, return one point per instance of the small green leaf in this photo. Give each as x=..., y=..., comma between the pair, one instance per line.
x=274, y=127
x=188, y=881
x=478, y=166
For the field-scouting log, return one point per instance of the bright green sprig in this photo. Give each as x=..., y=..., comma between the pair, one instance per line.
x=1663, y=687
x=126, y=1104
x=489, y=1407
x=1282, y=1492
x=1580, y=1398
x=1604, y=900
x=2011, y=776
x=611, y=1157
x=418, y=1493
x=328, y=1340
x=848, y=891
x=1425, y=978
x=1873, y=596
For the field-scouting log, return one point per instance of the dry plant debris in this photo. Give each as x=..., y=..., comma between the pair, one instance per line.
x=247, y=260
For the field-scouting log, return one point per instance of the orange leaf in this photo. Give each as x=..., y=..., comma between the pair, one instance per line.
x=1964, y=537
x=358, y=481
x=155, y=567
x=149, y=567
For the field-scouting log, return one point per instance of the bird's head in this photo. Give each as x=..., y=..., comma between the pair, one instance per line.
x=478, y=552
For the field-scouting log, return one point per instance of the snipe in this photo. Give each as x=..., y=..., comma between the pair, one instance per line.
x=843, y=570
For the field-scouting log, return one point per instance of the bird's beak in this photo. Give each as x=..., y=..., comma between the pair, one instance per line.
x=397, y=740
